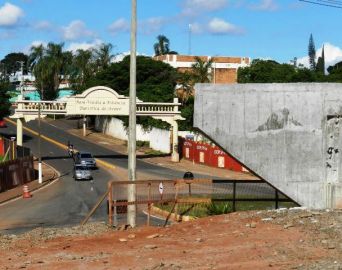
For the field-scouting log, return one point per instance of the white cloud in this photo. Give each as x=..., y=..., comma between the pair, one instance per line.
x=10, y=15
x=43, y=25
x=221, y=27
x=120, y=25
x=196, y=28
x=265, y=5
x=193, y=7
x=77, y=30
x=152, y=25
x=332, y=55
x=120, y=56
x=74, y=46
x=216, y=26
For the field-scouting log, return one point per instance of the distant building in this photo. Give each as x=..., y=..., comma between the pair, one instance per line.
x=224, y=68
x=28, y=82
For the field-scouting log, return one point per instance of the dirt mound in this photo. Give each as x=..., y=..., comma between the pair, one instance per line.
x=282, y=239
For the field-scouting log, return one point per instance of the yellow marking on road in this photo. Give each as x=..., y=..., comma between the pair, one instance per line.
x=63, y=146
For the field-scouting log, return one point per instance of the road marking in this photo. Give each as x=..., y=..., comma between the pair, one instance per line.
x=65, y=147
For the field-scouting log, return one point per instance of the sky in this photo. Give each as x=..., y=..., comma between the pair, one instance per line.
x=266, y=29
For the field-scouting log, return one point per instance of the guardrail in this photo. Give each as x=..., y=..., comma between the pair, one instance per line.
x=180, y=197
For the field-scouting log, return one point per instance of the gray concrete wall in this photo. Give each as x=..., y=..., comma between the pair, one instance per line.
x=289, y=134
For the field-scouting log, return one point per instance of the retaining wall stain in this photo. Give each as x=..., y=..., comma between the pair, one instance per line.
x=278, y=120
x=332, y=155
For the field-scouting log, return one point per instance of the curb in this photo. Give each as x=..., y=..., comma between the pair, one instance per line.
x=45, y=184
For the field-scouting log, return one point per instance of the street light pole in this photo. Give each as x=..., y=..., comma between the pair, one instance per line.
x=40, y=173
x=21, y=78
x=131, y=209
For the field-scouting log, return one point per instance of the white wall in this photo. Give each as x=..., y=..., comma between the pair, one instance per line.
x=159, y=139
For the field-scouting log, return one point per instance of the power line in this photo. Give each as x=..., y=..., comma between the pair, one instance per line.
x=327, y=3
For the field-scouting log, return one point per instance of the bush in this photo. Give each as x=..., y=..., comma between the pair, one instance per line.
x=219, y=209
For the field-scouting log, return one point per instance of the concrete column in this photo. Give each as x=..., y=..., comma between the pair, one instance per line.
x=84, y=126
x=20, y=131
x=175, y=154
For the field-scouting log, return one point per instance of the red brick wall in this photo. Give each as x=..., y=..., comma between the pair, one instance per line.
x=209, y=155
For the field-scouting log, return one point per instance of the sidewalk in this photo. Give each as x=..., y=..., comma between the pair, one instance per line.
x=165, y=161
x=49, y=175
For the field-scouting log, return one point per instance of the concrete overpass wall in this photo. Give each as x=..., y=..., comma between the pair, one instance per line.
x=288, y=134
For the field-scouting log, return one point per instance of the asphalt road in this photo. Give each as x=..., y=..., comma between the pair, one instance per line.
x=67, y=202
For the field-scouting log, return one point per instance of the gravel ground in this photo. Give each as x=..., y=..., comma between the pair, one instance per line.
x=279, y=239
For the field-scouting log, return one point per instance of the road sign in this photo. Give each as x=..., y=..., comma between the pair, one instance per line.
x=161, y=188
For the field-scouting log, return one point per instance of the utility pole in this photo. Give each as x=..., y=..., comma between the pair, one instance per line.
x=21, y=78
x=131, y=209
x=40, y=173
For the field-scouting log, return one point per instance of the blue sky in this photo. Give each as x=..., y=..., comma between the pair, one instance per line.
x=276, y=29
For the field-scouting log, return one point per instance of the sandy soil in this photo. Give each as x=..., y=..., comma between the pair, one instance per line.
x=283, y=239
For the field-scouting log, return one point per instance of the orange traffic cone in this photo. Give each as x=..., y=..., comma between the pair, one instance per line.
x=26, y=192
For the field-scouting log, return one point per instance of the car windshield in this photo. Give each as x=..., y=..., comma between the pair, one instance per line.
x=86, y=155
x=83, y=168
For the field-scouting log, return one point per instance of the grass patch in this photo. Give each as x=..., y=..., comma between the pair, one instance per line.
x=143, y=144
x=219, y=208
x=152, y=152
x=2, y=157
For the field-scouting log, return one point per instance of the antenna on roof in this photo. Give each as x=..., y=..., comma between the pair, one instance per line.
x=190, y=38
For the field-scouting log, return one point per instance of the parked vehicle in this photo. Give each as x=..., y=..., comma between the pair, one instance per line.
x=82, y=172
x=2, y=124
x=85, y=159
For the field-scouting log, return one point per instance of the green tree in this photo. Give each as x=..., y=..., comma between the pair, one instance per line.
x=156, y=82
x=335, y=73
x=312, y=53
x=320, y=67
x=269, y=71
x=11, y=62
x=81, y=69
x=4, y=99
x=201, y=70
x=162, y=46
x=185, y=86
x=104, y=55
x=49, y=66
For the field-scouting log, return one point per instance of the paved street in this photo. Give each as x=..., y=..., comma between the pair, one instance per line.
x=66, y=201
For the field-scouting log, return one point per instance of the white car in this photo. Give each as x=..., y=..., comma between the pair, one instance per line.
x=82, y=172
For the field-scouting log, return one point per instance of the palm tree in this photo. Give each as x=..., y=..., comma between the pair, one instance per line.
x=82, y=68
x=36, y=54
x=185, y=86
x=48, y=65
x=201, y=70
x=162, y=46
x=103, y=55
x=35, y=64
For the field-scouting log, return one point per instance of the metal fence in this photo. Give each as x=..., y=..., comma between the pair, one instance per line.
x=17, y=172
x=11, y=151
x=180, y=199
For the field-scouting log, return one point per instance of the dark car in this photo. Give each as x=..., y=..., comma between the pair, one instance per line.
x=82, y=172
x=85, y=159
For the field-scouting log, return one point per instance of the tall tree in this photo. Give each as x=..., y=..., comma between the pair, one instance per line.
x=269, y=71
x=312, y=53
x=201, y=70
x=162, y=46
x=185, y=86
x=48, y=66
x=4, y=99
x=81, y=69
x=11, y=62
x=104, y=55
x=320, y=67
